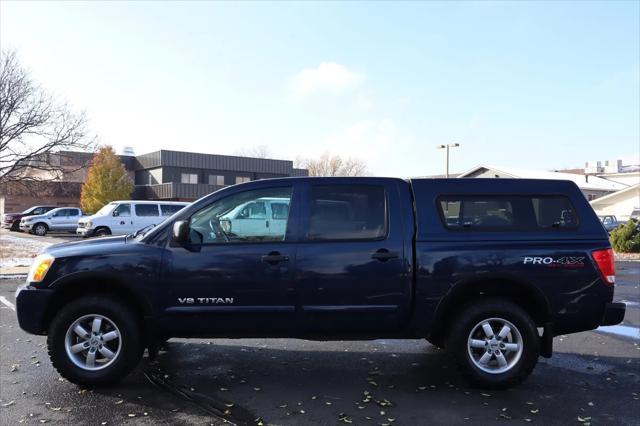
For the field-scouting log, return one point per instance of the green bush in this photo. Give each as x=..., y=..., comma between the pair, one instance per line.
x=626, y=239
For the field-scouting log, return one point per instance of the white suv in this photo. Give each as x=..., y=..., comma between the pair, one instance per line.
x=127, y=216
x=62, y=219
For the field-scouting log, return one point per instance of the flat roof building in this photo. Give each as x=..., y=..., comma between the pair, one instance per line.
x=158, y=175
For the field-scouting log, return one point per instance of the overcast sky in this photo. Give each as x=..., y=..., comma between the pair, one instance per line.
x=536, y=85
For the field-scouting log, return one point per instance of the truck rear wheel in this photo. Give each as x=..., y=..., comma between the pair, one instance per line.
x=495, y=343
x=94, y=341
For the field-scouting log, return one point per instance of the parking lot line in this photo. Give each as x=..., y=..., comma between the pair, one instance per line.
x=7, y=303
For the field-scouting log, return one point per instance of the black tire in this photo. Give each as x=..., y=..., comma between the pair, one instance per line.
x=127, y=357
x=102, y=232
x=15, y=226
x=40, y=229
x=518, y=368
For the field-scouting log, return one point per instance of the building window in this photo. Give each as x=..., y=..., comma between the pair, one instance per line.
x=189, y=178
x=242, y=179
x=216, y=180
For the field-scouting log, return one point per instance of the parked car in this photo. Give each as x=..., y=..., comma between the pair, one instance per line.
x=11, y=221
x=126, y=217
x=473, y=265
x=609, y=222
x=62, y=219
x=635, y=214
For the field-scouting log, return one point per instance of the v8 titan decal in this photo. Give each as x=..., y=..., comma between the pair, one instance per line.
x=555, y=262
x=205, y=300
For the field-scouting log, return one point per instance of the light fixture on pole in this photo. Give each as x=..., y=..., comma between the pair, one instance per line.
x=447, y=146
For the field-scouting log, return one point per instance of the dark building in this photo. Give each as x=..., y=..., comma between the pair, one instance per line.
x=159, y=175
x=176, y=175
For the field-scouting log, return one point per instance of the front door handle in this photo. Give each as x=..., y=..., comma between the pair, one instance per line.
x=274, y=257
x=383, y=255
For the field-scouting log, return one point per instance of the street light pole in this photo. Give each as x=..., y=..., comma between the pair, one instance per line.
x=447, y=146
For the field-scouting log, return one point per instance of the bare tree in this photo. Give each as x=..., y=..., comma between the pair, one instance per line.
x=34, y=128
x=260, y=151
x=333, y=165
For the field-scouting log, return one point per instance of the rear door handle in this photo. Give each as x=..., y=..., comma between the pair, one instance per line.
x=383, y=255
x=274, y=257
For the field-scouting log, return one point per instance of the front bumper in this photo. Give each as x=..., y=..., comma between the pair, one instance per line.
x=85, y=232
x=613, y=313
x=31, y=307
x=25, y=227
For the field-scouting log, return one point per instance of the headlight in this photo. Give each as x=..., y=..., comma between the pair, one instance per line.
x=88, y=224
x=39, y=267
x=25, y=220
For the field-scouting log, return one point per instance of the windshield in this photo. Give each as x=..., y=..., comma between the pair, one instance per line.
x=105, y=210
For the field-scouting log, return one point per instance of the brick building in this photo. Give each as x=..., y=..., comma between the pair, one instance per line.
x=159, y=175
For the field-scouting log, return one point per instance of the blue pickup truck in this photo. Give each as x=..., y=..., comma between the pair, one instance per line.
x=490, y=269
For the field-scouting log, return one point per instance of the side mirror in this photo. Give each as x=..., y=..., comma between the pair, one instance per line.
x=181, y=231
x=115, y=213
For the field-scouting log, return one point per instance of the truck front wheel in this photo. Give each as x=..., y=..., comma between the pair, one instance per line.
x=94, y=341
x=495, y=343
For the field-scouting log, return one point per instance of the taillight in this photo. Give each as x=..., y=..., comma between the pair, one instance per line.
x=606, y=263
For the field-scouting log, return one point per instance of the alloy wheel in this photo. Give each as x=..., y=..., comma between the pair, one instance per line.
x=495, y=345
x=93, y=342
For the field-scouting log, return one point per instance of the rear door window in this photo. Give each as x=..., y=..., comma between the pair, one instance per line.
x=144, y=210
x=169, y=209
x=279, y=211
x=507, y=213
x=347, y=212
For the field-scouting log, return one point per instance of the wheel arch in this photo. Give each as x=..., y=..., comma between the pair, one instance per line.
x=90, y=284
x=46, y=225
x=104, y=227
x=522, y=293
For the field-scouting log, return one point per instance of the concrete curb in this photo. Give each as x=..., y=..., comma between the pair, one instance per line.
x=15, y=270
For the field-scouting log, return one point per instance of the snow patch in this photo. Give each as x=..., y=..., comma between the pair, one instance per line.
x=16, y=251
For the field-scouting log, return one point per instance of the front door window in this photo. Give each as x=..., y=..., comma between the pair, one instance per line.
x=243, y=218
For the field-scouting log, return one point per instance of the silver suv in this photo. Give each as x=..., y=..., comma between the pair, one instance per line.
x=63, y=219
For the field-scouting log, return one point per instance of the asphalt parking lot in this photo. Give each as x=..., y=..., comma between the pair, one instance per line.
x=593, y=378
